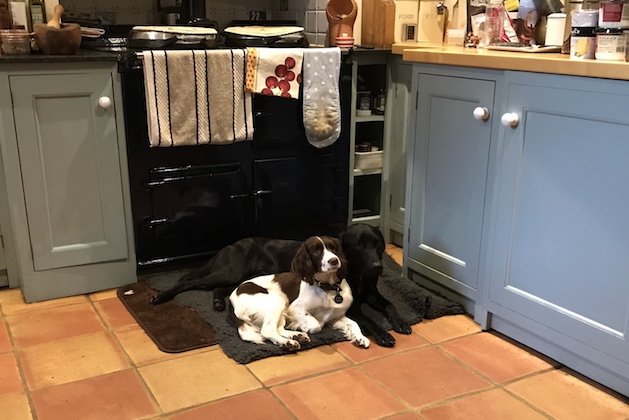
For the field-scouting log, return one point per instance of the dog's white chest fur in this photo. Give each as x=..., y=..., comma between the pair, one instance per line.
x=320, y=304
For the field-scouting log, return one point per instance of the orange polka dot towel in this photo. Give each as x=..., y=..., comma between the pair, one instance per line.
x=274, y=71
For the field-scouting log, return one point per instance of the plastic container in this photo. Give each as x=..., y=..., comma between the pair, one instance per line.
x=555, y=23
x=585, y=19
x=611, y=44
x=582, y=43
x=15, y=42
x=368, y=160
x=493, y=28
x=613, y=14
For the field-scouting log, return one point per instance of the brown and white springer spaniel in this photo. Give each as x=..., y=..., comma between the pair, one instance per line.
x=284, y=308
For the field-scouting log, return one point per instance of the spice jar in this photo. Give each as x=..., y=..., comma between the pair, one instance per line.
x=379, y=102
x=15, y=41
x=610, y=44
x=363, y=103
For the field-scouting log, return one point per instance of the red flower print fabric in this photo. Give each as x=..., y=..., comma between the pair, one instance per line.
x=274, y=71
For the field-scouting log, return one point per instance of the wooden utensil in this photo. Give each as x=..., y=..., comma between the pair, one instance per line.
x=55, y=20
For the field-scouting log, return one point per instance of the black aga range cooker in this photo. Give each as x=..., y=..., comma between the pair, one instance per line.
x=189, y=202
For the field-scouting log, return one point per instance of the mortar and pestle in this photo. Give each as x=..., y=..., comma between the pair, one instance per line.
x=58, y=38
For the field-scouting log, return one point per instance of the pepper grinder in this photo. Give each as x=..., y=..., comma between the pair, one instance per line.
x=341, y=16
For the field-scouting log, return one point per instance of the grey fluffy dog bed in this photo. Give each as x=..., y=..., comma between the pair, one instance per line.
x=413, y=302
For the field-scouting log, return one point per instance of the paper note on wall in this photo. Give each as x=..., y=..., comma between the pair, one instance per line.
x=18, y=14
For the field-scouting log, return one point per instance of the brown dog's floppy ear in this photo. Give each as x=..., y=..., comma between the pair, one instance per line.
x=302, y=263
x=342, y=272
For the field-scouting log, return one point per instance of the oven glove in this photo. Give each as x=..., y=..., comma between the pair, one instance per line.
x=321, y=99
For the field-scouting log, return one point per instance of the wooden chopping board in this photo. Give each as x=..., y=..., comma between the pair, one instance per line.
x=378, y=21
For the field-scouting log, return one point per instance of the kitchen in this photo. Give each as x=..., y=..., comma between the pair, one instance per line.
x=432, y=259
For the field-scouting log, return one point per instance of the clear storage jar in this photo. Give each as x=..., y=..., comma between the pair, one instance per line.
x=15, y=41
x=610, y=44
x=613, y=14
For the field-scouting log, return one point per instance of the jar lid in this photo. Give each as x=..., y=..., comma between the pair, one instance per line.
x=609, y=31
x=582, y=31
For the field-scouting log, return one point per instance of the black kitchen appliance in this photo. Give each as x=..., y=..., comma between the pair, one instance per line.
x=172, y=37
x=189, y=202
x=250, y=34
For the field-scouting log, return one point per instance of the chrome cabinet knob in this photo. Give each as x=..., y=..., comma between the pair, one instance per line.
x=105, y=102
x=510, y=119
x=481, y=113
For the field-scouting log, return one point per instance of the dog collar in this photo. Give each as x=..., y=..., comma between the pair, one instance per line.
x=331, y=287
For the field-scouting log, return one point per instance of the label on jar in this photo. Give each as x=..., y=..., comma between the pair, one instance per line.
x=613, y=14
x=582, y=47
x=610, y=47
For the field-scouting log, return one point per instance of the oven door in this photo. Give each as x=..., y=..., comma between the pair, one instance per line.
x=195, y=210
x=295, y=196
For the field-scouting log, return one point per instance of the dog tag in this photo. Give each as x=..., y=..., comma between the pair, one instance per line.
x=338, y=298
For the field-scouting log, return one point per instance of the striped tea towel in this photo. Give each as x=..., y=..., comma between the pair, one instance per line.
x=197, y=97
x=274, y=71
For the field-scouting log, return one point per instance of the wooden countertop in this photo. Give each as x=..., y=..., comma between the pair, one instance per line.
x=554, y=63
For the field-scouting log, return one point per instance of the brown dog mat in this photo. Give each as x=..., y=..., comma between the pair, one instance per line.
x=173, y=327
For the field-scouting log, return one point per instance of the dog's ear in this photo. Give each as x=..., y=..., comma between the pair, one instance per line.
x=302, y=264
x=338, y=250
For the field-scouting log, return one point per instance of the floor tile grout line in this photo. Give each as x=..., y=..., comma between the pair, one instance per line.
x=385, y=388
x=502, y=385
x=14, y=350
x=132, y=364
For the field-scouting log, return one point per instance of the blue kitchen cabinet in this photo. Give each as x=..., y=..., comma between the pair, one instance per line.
x=399, y=80
x=65, y=169
x=559, y=271
x=522, y=217
x=447, y=179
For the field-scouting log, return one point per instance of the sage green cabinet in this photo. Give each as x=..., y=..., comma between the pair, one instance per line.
x=65, y=167
x=516, y=208
x=558, y=277
x=399, y=98
x=447, y=180
x=4, y=280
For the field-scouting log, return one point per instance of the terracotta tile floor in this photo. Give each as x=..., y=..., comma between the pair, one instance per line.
x=85, y=358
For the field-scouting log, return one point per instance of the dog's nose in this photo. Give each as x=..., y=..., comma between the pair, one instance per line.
x=376, y=265
x=333, y=261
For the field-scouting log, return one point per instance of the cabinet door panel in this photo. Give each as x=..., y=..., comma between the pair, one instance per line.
x=70, y=169
x=560, y=251
x=449, y=178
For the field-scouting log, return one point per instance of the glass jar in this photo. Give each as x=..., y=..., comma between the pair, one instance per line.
x=610, y=44
x=379, y=102
x=613, y=14
x=15, y=41
x=363, y=103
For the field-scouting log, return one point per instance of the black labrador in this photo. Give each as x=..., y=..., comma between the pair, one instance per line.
x=362, y=244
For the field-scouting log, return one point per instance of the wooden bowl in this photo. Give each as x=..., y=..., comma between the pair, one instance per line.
x=65, y=40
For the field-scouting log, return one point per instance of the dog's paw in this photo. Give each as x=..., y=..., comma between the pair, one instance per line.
x=302, y=337
x=361, y=342
x=400, y=326
x=291, y=345
x=384, y=339
x=155, y=300
x=219, y=305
